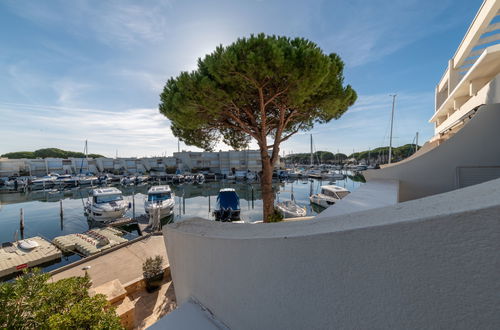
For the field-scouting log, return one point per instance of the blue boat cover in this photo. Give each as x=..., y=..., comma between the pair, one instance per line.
x=228, y=199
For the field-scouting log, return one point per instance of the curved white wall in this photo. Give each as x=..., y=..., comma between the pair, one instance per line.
x=477, y=145
x=428, y=263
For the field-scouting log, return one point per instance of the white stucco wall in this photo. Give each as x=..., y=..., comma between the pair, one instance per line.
x=475, y=145
x=430, y=263
x=371, y=195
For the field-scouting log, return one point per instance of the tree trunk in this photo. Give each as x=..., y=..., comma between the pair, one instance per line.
x=266, y=184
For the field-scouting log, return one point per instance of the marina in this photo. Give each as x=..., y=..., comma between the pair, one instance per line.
x=58, y=215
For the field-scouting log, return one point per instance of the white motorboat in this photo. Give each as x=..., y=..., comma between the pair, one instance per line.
x=333, y=175
x=188, y=177
x=251, y=176
x=66, y=180
x=126, y=180
x=178, y=178
x=14, y=183
x=87, y=179
x=329, y=195
x=361, y=167
x=290, y=209
x=315, y=173
x=47, y=181
x=106, y=204
x=295, y=173
x=199, y=178
x=140, y=179
x=159, y=197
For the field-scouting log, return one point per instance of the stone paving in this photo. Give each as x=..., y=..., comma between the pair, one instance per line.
x=124, y=264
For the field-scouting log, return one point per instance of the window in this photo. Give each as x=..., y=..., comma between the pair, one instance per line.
x=107, y=198
x=158, y=197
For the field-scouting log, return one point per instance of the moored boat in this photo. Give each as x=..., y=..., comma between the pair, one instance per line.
x=329, y=195
x=228, y=206
x=66, y=180
x=290, y=209
x=160, y=197
x=44, y=182
x=106, y=204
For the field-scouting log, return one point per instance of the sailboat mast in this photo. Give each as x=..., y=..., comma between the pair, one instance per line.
x=311, y=150
x=392, y=124
x=87, y=155
x=416, y=143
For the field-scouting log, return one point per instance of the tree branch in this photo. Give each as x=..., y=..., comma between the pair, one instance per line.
x=263, y=117
x=243, y=127
x=275, y=96
x=250, y=115
x=253, y=82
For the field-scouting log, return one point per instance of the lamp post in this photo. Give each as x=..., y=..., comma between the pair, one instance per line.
x=392, y=122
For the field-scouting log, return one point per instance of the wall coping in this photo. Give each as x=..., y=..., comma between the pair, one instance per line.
x=458, y=201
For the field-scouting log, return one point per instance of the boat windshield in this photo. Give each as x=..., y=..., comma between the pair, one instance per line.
x=329, y=193
x=158, y=197
x=335, y=194
x=342, y=194
x=108, y=198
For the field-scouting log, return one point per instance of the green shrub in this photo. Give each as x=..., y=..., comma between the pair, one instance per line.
x=152, y=266
x=276, y=216
x=33, y=302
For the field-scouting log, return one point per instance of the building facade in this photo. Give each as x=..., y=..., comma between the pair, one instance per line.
x=217, y=162
x=471, y=78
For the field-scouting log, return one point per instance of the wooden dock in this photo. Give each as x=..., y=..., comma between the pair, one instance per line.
x=13, y=258
x=90, y=242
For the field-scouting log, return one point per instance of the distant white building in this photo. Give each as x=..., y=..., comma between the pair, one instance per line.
x=221, y=161
x=217, y=162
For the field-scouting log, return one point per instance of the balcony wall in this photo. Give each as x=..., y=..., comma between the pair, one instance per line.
x=474, y=147
x=422, y=264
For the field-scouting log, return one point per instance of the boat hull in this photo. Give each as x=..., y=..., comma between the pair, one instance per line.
x=322, y=201
x=105, y=216
x=165, y=211
x=221, y=215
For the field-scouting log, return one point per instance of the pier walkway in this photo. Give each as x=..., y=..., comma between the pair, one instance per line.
x=124, y=263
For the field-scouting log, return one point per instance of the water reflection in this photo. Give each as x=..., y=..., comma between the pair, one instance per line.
x=42, y=208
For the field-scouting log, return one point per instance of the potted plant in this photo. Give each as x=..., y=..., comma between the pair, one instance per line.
x=153, y=272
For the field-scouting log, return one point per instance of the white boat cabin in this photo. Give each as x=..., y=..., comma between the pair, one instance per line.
x=159, y=193
x=106, y=195
x=334, y=191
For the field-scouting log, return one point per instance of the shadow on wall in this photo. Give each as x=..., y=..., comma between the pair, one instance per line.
x=436, y=171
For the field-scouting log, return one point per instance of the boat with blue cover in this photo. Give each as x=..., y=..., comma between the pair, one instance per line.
x=228, y=206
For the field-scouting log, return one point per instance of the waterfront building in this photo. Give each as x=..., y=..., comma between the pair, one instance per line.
x=217, y=162
x=221, y=161
x=471, y=76
x=413, y=248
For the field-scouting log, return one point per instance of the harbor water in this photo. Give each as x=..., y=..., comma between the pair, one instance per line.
x=42, y=208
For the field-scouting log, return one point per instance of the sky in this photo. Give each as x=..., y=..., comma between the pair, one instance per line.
x=80, y=70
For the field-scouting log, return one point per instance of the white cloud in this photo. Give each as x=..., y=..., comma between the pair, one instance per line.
x=69, y=91
x=365, y=31
x=112, y=22
x=134, y=132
